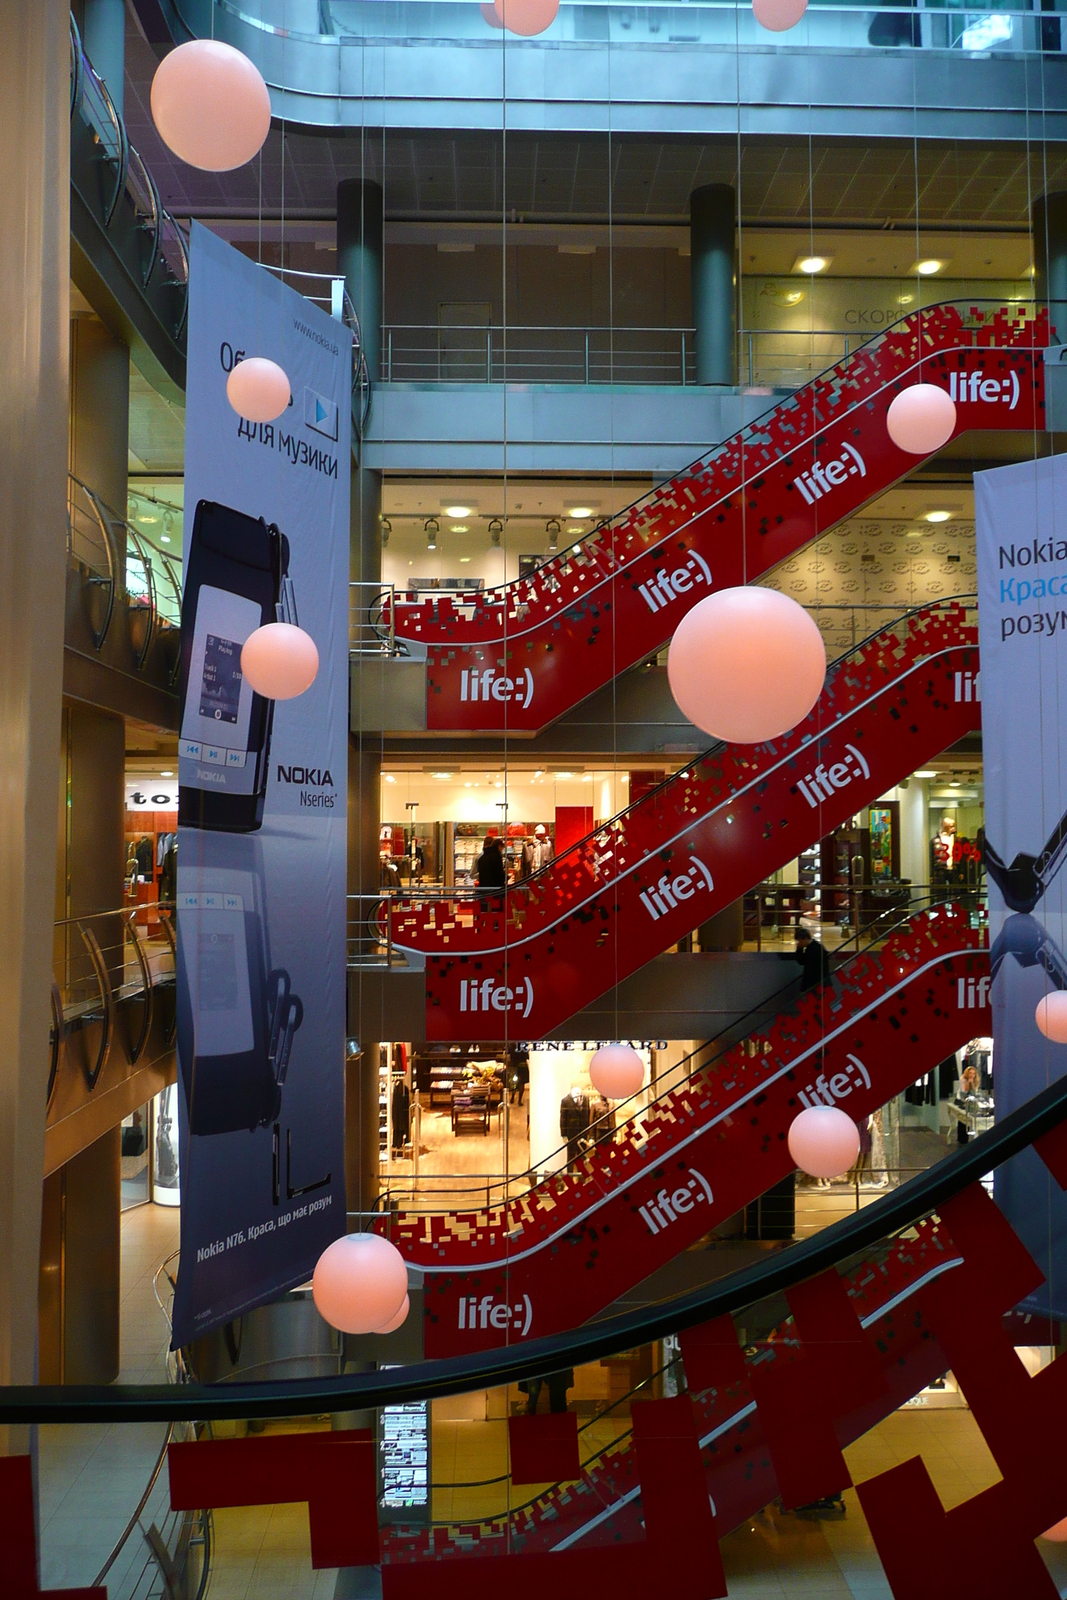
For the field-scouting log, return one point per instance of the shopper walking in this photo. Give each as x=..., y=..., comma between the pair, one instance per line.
x=814, y=961
x=489, y=868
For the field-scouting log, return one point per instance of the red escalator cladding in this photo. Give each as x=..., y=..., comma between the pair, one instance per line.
x=981, y=1230
x=517, y=658
x=833, y=1341
x=519, y=965
x=18, y=1537
x=791, y=1396
x=738, y=1472
x=544, y=1449
x=333, y=1471
x=904, y=1498
x=711, y=1354
x=679, y=1523
x=574, y=1243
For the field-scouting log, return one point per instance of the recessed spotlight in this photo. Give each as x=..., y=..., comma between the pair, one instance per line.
x=458, y=511
x=389, y=778
x=144, y=517
x=924, y=774
x=166, y=774
x=914, y=533
x=927, y=267
x=564, y=774
x=444, y=776
x=811, y=264
x=580, y=511
x=460, y=527
x=938, y=516
x=905, y=299
x=464, y=561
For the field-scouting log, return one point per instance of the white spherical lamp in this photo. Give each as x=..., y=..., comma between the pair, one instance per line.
x=360, y=1283
x=778, y=15
x=823, y=1141
x=210, y=105
x=921, y=419
x=746, y=664
x=1051, y=1016
x=258, y=389
x=397, y=1318
x=526, y=17
x=279, y=660
x=617, y=1071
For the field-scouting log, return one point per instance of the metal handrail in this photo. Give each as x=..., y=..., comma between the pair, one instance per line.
x=108, y=520
x=427, y=1380
x=343, y=309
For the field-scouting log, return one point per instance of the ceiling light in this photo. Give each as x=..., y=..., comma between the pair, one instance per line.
x=564, y=774
x=166, y=774
x=811, y=264
x=938, y=516
x=164, y=538
x=927, y=267
x=580, y=511
x=905, y=299
x=144, y=517
x=914, y=533
x=444, y=776
x=955, y=784
x=464, y=561
x=924, y=774
x=389, y=778
x=387, y=528
x=458, y=511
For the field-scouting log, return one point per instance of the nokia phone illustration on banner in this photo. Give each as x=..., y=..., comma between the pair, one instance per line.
x=237, y=1014
x=236, y=580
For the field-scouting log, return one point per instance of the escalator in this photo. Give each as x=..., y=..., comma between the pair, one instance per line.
x=662, y=1180
x=517, y=657
x=887, y=1290
x=517, y=965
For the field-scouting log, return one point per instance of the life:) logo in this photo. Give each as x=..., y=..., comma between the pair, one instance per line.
x=825, y=1091
x=666, y=586
x=972, y=388
x=486, y=994
x=968, y=686
x=823, y=477
x=486, y=1313
x=669, y=892
x=665, y=1209
x=820, y=784
x=970, y=994
x=485, y=685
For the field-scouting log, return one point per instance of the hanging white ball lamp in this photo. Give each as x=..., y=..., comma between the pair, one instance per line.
x=258, y=389
x=279, y=660
x=778, y=15
x=921, y=419
x=823, y=1141
x=210, y=105
x=526, y=17
x=746, y=664
x=617, y=1071
x=360, y=1283
x=1051, y=1016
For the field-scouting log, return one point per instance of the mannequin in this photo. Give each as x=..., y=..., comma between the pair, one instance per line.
x=946, y=845
x=574, y=1118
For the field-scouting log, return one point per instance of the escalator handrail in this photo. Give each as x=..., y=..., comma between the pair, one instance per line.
x=464, y=893
x=429, y=1380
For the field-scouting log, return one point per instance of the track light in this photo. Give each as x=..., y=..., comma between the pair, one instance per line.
x=387, y=528
x=432, y=530
x=496, y=528
x=552, y=528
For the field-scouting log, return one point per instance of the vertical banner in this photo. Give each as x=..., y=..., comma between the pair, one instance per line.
x=1021, y=521
x=262, y=796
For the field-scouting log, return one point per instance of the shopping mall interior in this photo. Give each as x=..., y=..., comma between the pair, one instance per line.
x=395, y=1167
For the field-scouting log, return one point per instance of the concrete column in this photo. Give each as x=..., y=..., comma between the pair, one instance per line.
x=1050, y=259
x=359, y=256
x=34, y=330
x=712, y=233
x=360, y=225
x=104, y=37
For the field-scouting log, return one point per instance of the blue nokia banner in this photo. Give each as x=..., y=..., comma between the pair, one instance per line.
x=262, y=797
x=1021, y=522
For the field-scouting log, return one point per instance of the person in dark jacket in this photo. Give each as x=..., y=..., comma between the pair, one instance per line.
x=814, y=961
x=489, y=867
